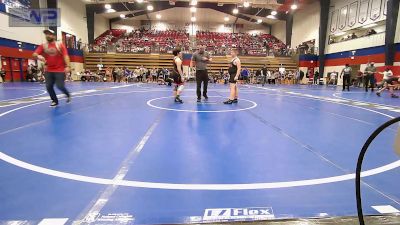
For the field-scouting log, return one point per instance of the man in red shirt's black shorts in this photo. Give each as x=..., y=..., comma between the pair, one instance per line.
x=57, y=62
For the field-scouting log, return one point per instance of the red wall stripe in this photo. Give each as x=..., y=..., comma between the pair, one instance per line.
x=26, y=54
x=380, y=58
x=76, y=59
x=397, y=57
x=308, y=64
x=15, y=53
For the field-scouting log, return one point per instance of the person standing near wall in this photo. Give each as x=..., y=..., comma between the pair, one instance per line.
x=115, y=72
x=370, y=76
x=316, y=77
x=333, y=77
x=2, y=75
x=359, y=80
x=57, y=63
x=346, y=73
x=264, y=72
x=200, y=59
x=245, y=75
x=301, y=76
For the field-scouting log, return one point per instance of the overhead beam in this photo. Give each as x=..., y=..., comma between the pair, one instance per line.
x=323, y=27
x=289, y=29
x=391, y=23
x=90, y=24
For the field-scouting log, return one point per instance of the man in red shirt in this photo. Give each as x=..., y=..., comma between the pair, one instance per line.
x=57, y=63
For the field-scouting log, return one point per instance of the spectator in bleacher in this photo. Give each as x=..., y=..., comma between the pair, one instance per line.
x=371, y=32
x=200, y=59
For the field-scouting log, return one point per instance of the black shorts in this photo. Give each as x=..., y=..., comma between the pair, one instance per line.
x=177, y=78
x=232, y=79
x=390, y=80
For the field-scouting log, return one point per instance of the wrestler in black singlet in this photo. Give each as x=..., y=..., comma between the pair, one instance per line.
x=232, y=71
x=175, y=74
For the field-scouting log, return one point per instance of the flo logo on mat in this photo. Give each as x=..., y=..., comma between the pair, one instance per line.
x=227, y=214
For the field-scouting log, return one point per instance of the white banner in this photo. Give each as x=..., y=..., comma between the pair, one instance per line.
x=334, y=19
x=376, y=6
x=363, y=12
x=385, y=7
x=353, y=14
x=343, y=17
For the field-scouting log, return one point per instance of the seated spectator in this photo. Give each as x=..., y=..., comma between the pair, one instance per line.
x=371, y=32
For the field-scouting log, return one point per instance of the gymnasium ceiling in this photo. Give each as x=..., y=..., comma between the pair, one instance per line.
x=207, y=10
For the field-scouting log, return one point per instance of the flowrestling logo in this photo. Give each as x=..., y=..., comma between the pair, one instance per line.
x=47, y=17
x=235, y=214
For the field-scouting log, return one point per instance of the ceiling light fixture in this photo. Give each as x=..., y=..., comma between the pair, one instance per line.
x=246, y=4
x=150, y=7
x=235, y=11
x=107, y=6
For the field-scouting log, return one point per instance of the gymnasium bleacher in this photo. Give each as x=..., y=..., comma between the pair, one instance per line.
x=165, y=61
x=131, y=46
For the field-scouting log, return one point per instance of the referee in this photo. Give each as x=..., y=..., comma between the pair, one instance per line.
x=200, y=59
